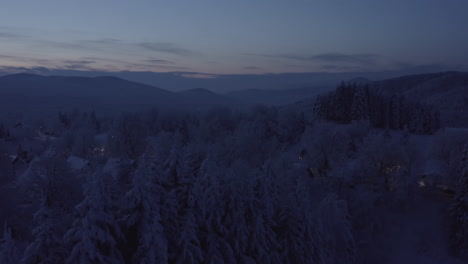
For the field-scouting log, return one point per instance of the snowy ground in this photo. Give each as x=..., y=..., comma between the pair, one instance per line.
x=418, y=233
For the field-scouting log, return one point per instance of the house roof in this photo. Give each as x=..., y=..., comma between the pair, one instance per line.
x=77, y=163
x=430, y=166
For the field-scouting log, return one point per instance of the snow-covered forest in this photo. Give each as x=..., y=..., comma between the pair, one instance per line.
x=354, y=177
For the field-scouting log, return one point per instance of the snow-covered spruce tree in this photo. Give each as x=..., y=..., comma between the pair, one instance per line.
x=94, y=234
x=188, y=245
x=323, y=106
x=415, y=119
x=459, y=210
x=395, y=105
x=189, y=239
x=377, y=110
x=405, y=134
x=360, y=106
x=210, y=208
x=142, y=218
x=94, y=122
x=333, y=231
x=426, y=119
x=174, y=162
x=291, y=232
x=2, y=131
x=171, y=178
x=9, y=248
x=263, y=245
x=292, y=222
x=170, y=220
x=291, y=126
x=178, y=209
x=237, y=192
x=339, y=103
x=216, y=249
x=83, y=138
x=127, y=136
x=47, y=247
x=50, y=175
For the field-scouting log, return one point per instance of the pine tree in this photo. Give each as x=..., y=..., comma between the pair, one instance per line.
x=171, y=222
x=292, y=225
x=340, y=103
x=182, y=221
x=319, y=105
x=405, y=113
x=436, y=125
x=236, y=193
x=360, y=106
x=459, y=209
x=415, y=120
x=64, y=119
x=427, y=122
x=143, y=217
x=334, y=231
x=210, y=208
x=47, y=247
x=377, y=109
x=94, y=121
x=9, y=248
x=95, y=232
x=188, y=244
x=176, y=180
x=404, y=135
x=395, y=112
x=2, y=131
x=263, y=245
x=292, y=234
x=174, y=162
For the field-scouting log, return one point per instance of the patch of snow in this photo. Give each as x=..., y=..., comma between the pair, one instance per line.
x=112, y=166
x=77, y=163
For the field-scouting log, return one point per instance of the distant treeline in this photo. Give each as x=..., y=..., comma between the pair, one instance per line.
x=350, y=102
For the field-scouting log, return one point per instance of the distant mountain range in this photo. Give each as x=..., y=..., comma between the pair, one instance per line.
x=33, y=94
x=448, y=91
x=219, y=83
x=208, y=98
x=276, y=97
x=29, y=94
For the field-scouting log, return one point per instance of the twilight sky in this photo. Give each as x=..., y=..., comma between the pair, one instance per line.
x=234, y=37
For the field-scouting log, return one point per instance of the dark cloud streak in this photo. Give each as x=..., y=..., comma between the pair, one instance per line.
x=7, y=35
x=83, y=62
x=63, y=45
x=77, y=64
x=153, y=66
x=361, y=58
x=336, y=67
x=158, y=61
x=165, y=47
x=106, y=41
